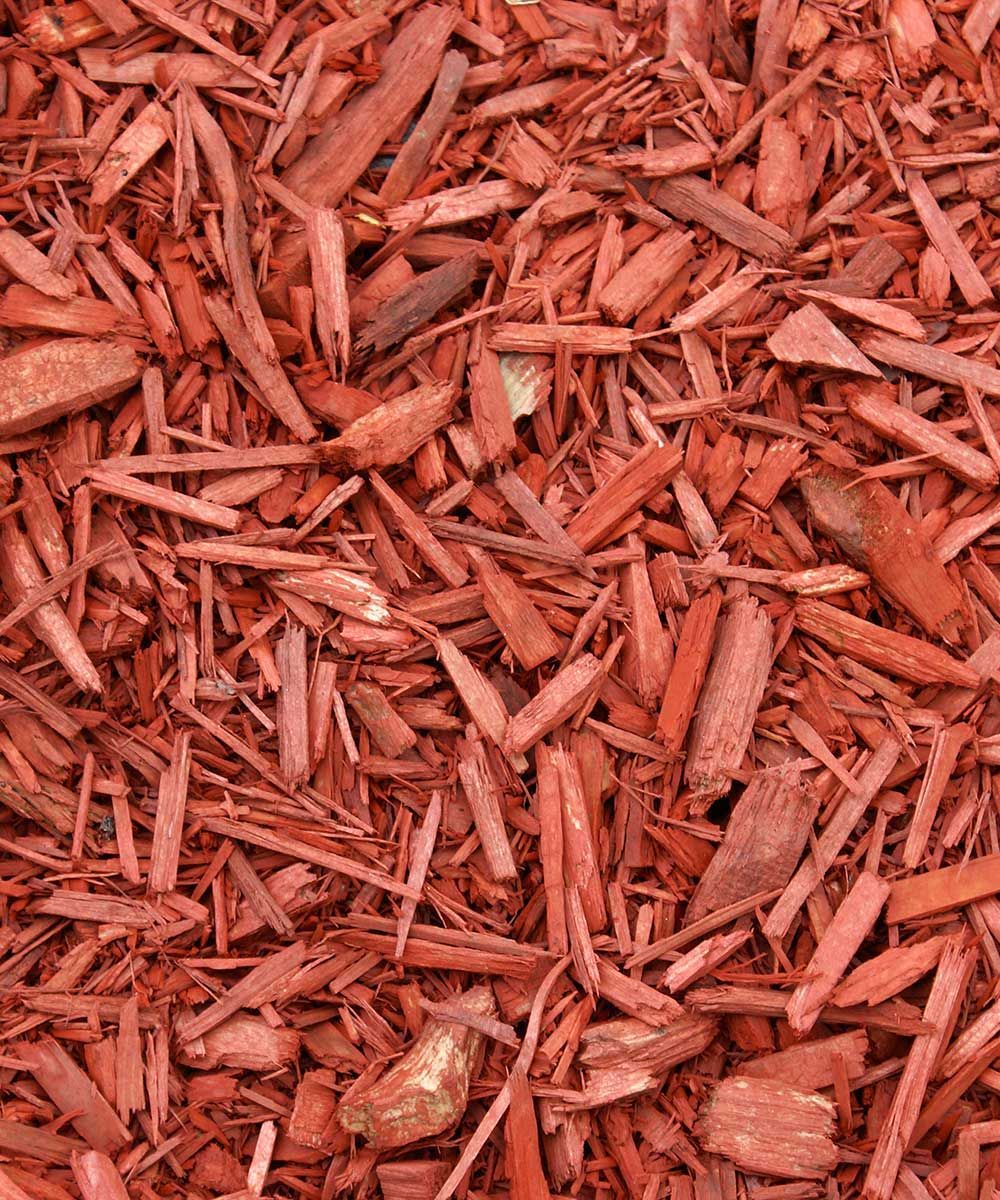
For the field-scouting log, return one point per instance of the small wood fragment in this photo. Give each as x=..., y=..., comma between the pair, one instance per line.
x=811, y=1065
x=947, y=887
x=645, y=275
x=931, y=361
x=845, y=933
x=27, y=263
x=770, y=1128
x=732, y=692
x=893, y=971
x=312, y=1122
x=877, y=534
x=426, y=1091
x=690, y=198
x=921, y=436
x=96, y=1176
x=764, y=839
x=946, y=241
x=806, y=336
x=73, y=1094
x=393, y=431
x=22, y=576
x=555, y=703
x=647, y=472
x=168, y=832
x=293, y=748
x=485, y=800
x=328, y=258
x=419, y=146
x=127, y=156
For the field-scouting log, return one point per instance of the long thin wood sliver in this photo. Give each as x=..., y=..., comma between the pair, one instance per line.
x=776, y=105
x=946, y=241
x=953, y=970
x=494, y=1114
x=162, y=16
x=168, y=832
x=295, y=848
x=251, y=989
x=423, y=848
x=844, y=935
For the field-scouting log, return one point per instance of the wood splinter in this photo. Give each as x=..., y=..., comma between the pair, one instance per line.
x=427, y=1090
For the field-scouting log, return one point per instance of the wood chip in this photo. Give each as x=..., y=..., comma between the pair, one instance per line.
x=808, y=337
x=770, y=1128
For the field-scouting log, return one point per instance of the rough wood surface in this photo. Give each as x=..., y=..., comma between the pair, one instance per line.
x=499, y=600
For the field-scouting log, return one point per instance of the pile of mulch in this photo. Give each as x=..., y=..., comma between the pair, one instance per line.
x=499, y=615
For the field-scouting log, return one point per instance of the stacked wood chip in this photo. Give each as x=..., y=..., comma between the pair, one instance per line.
x=499, y=600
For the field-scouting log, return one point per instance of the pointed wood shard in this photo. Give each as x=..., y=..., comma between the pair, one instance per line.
x=687, y=676
x=276, y=392
x=660, y=164
x=946, y=241
x=491, y=413
x=691, y=198
x=96, y=1176
x=808, y=338
x=486, y=802
x=75, y=1095
x=417, y=303
x=527, y=1175
x=23, y=580
x=872, y=312
x=646, y=473
x=556, y=702
x=932, y=362
x=341, y=152
x=844, y=935
x=126, y=157
x=888, y=973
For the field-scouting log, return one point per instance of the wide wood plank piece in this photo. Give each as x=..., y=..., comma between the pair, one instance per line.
x=60, y=377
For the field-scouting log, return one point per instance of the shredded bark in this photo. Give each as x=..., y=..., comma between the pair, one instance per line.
x=499, y=600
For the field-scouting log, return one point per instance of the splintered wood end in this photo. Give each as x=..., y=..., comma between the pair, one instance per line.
x=427, y=1091
x=769, y=1128
x=60, y=29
